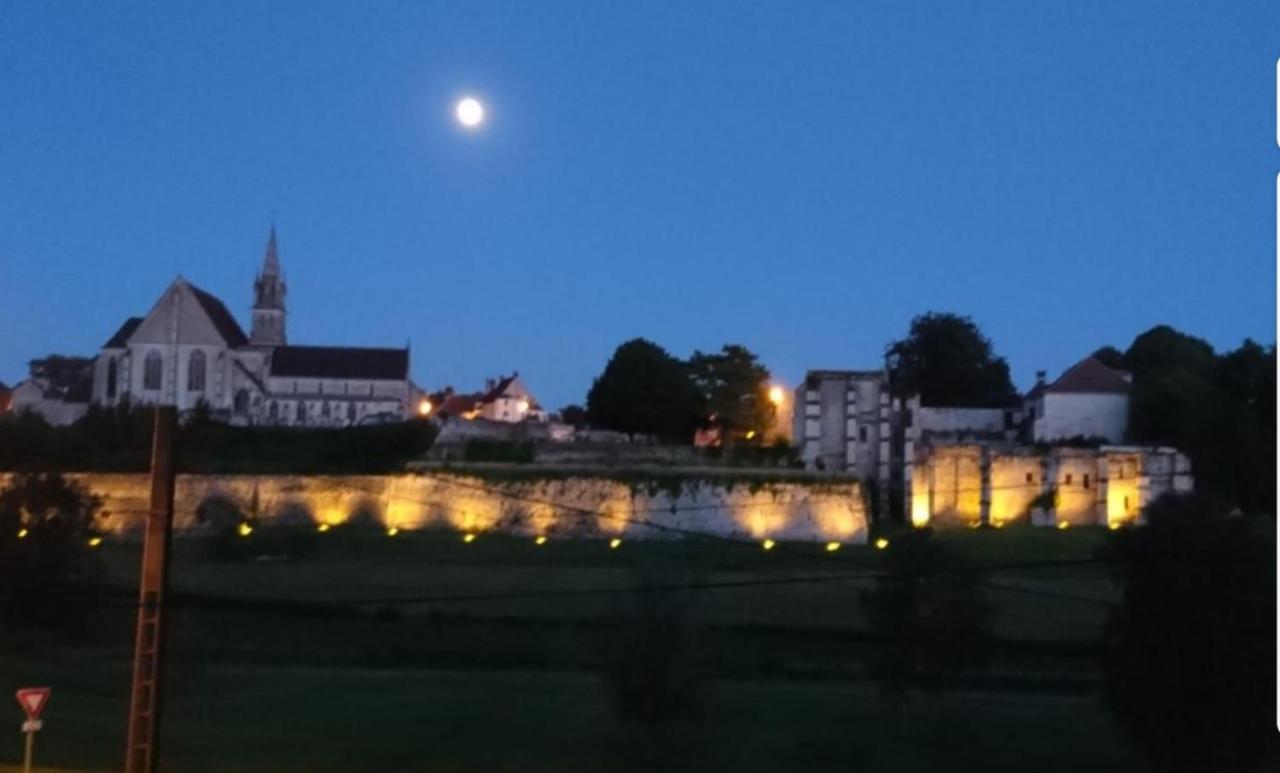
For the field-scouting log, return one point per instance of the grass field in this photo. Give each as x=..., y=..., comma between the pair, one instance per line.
x=304, y=680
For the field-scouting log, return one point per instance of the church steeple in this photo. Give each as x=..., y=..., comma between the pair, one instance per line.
x=268, y=298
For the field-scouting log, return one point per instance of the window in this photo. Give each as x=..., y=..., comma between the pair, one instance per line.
x=324, y=407
x=273, y=411
x=302, y=412
x=351, y=412
x=195, y=372
x=1068, y=479
x=112, y=375
x=1086, y=480
x=908, y=418
x=242, y=402
x=152, y=369
x=862, y=434
x=1031, y=477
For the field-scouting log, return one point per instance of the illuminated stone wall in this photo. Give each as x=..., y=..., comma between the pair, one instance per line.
x=1095, y=486
x=577, y=506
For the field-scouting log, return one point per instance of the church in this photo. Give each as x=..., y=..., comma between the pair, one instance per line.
x=189, y=349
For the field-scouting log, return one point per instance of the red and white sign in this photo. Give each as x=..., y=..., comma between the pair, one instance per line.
x=33, y=700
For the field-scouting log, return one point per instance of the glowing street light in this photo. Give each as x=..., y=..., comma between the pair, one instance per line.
x=882, y=543
x=22, y=533
x=424, y=408
x=776, y=395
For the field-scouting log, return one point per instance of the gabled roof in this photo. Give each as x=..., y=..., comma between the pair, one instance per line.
x=1090, y=376
x=340, y=362
x=457, y=405
x=222, y=320
x=121, y=337
x=498, y=389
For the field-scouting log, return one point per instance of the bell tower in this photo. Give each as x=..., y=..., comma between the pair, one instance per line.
x=268, y=299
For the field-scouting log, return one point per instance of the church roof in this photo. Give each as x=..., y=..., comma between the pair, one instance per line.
x=222, y=320
x=1090, y=375
x=340, y=362
x=121, y=337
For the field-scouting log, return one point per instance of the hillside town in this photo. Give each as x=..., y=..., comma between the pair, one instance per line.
x=1057, y=455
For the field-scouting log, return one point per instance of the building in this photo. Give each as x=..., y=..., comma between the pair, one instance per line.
x=189, y=350
x=506, y=398
x=842, y=422
x=997, y=483
x=6, y=398
x=1089, y=400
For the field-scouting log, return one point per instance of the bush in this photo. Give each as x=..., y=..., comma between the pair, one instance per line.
x=46, y=563
x=652, y=667
x=1190, y=651
x=480, y=450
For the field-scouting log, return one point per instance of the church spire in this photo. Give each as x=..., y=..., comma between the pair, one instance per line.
x=271, y=261
x=268, y=298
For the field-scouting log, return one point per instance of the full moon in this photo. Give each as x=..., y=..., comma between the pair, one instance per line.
x=470, y=112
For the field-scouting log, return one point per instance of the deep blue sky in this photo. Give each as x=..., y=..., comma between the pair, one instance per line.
x=801, y=178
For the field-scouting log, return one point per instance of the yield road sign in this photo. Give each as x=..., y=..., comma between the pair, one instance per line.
x=33, y=700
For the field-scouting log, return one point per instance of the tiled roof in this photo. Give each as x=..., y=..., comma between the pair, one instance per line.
x=121, y=337
x=226, y=324
x=1091, y=376
x=340, y=362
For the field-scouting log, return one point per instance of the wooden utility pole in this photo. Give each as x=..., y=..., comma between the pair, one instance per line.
x=144, y=702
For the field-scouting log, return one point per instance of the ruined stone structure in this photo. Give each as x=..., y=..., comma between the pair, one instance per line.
x=983, y=483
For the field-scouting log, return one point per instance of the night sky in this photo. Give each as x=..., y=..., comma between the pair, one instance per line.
x=800, y=178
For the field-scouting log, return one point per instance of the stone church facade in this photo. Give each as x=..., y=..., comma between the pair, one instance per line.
x=190, y=349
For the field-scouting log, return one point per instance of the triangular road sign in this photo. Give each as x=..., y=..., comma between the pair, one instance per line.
x=33, y=700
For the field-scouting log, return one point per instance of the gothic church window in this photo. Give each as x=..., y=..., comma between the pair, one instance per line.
x=152, y=368
x=195, y=372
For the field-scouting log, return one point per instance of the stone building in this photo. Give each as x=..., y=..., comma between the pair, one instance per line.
x=189, y=349
x=1089, y=400
x=976, y=484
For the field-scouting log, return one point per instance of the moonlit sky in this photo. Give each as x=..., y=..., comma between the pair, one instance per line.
x=798, y=178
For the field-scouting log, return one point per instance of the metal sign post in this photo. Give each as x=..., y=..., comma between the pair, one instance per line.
x=32, y=700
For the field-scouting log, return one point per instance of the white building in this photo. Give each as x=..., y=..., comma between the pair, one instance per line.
x=842, y=422
x=506, y=398
x=189, y=349
x=1089, y=400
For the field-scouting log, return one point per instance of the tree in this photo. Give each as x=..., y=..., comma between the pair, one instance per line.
x=933, y=627
x=574, y=415
x=46, y=523
x=1189, y=652
x=948, y=362
x=1218, y=409
x=644, y=390
x=735, y=388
